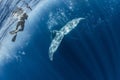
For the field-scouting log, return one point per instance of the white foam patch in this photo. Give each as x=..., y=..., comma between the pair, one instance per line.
x=6, y=50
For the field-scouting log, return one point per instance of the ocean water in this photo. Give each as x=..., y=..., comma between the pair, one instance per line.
x=90, y=52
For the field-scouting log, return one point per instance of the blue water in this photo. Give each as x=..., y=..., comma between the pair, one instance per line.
x=90, y=52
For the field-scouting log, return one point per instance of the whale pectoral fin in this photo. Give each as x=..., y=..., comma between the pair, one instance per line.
x=54, y=45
